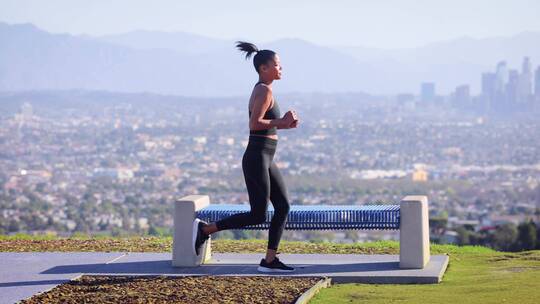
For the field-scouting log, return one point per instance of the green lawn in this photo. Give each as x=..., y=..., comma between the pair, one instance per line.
x=474, y=275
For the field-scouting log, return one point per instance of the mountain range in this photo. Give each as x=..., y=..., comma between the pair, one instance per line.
x=192, y=65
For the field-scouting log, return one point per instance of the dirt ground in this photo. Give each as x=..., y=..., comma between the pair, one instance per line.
x=163, y=289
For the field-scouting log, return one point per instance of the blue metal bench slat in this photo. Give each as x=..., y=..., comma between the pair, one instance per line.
x=317, y=217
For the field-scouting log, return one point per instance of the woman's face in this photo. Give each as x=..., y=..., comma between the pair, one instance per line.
x=273, y=68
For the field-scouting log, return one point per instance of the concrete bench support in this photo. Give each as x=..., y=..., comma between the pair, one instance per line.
x=184, y=215
x=414, y=232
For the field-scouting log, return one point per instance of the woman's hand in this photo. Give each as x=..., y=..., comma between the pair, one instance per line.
x=290, y=120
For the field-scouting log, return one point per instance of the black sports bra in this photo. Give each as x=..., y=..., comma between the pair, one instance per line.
x=272, y=113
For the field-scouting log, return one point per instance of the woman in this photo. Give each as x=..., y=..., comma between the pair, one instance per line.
x=262, y=176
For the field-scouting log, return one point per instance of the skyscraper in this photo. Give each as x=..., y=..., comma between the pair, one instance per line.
x=489, y=82
x=525, y=82
x=512, y=88
x=537, y=84
x=427, y=92
x=501, y=79
x=502, y=76
x=463, y=95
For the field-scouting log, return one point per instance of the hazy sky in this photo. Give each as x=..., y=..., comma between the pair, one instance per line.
x=377, y=23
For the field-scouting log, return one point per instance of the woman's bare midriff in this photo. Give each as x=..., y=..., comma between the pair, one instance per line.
x=269, y=136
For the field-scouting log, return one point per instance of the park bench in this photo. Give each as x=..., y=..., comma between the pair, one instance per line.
x=410, y=217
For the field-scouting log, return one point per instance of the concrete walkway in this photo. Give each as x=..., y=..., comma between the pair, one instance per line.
x=25, y=274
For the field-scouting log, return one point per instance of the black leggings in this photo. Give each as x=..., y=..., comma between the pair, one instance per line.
x=263, y=182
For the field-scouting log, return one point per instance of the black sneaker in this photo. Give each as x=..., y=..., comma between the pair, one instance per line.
x=275, y=266
x=199, y=238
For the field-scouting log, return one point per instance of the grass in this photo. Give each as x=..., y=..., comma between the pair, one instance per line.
x=475, y=274
x=26, y=243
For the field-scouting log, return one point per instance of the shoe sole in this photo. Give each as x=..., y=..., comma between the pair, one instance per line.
x=269, y=270
x=195, y=231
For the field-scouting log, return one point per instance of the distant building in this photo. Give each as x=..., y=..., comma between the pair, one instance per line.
x=524, y=90
x=502, y=76
x=201, y=140
x=420, y=175
x=489, y=83
x=427, y=92
x=512, y=87
x=27, y=111
x=229, y=141
x=537, y=84
x=124, y=174
x=462, y=95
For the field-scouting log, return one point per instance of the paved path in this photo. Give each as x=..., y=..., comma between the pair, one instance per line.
x=25, y=274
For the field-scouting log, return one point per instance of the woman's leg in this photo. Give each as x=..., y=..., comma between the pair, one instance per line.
x=279, y=198
x=255, y=166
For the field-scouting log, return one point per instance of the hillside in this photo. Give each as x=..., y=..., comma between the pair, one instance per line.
x=193, y=65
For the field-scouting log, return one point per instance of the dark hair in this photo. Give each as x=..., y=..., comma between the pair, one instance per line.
x=261, y=57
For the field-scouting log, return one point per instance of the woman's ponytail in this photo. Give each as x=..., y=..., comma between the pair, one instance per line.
x=247, y=47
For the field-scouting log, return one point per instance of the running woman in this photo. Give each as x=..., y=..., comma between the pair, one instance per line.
x=263, y=179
